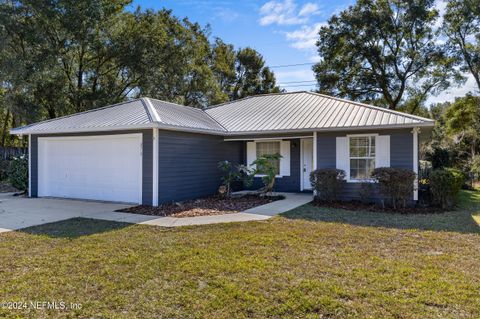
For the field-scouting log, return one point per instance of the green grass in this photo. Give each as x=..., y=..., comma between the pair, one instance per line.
x=312, y=262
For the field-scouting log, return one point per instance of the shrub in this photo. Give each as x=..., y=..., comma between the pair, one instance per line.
x=328, y=183
x=230, y=175
x=4, y=165
x=445, y=185
x=18, y=172
x=396, y=184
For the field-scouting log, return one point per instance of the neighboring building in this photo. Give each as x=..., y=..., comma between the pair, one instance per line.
x=150, y=152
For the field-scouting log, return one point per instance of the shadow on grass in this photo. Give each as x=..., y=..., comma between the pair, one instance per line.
x=462, y=220
x=74, y=228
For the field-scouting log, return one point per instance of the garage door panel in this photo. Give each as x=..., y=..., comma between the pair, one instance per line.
x=100, y=167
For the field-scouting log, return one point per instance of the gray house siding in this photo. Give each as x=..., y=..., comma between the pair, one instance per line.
x=147, y=159
x=285, y=183
x=401, y=156
x=188, y=164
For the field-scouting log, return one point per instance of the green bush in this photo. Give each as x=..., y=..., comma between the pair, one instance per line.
x=328, y=183
x=445, y=185
x=396, y=184
x=18, y=172
x=4, y=165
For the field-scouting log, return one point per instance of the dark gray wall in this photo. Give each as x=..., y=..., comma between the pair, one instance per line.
x=188, y=164
x=285, y=183
x=401, y=155
x=147, y=160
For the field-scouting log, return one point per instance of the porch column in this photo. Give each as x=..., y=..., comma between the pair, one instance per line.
x=415, y=132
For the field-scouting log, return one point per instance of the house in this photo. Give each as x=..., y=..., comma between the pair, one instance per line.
x=150, y=152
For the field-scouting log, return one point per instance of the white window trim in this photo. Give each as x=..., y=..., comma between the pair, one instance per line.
x=366, y=180
x=265, y=140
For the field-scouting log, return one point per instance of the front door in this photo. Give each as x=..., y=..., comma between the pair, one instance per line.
x=307, y=162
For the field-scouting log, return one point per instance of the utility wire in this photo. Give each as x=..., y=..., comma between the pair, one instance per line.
x=290, y=65
x=290, y=82
x=294, y=86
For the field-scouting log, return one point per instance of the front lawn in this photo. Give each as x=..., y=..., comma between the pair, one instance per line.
x=312, y=262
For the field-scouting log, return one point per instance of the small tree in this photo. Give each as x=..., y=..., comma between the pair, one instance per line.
x=18, y=173
x=395, y=183
x=266, y=165
x=328, y=183
x=231, y=175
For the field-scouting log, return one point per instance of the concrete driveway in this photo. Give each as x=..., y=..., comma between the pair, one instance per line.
x=21, y=212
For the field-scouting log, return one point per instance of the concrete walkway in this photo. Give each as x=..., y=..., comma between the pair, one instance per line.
x=18, y=212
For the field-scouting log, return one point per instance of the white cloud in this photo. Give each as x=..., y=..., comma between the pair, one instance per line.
x=450, y=94
x=286, y=13
x=309, y=9
x=226, y=14
x=306, y=37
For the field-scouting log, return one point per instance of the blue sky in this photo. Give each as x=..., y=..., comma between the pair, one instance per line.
x=283, y=31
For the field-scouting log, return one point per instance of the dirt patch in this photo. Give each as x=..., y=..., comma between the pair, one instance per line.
x=356, y=205
x=203, y=206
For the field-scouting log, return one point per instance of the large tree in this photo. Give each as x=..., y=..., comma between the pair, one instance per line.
x=64, y=56
x=252, y=76
x=461, y=25
x=382, y=51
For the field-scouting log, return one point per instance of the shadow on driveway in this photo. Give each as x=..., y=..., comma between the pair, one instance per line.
x=74, y=228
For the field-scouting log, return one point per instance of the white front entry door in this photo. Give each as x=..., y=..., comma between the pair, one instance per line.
x=101, y=167
x=307, y=162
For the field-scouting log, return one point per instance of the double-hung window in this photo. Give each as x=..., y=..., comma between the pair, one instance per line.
x=269, y=148
x=362, y=157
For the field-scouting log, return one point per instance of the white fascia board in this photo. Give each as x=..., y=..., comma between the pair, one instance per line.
x=118, y=128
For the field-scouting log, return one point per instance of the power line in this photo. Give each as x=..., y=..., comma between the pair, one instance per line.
x=289, y=82
x=294, y=86
x=290, y=65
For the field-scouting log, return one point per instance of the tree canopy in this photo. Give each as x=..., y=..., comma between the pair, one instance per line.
x=461, y=25
x=383, y=51
x=64, y=56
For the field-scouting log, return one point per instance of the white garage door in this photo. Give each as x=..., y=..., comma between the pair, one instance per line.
x=105, y=167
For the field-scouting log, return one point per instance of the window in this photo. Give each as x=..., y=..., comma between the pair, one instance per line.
x=362, y=157
x=269, y=148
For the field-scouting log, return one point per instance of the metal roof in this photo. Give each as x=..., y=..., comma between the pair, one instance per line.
x=135, y=114
x=300, y=111
x=269, y=113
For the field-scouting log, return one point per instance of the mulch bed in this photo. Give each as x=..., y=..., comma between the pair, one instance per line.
x=357, y=205
x=203, y=207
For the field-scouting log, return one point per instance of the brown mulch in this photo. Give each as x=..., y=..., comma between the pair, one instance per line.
x=203, y=207
x=7, y=188
x=357, y=205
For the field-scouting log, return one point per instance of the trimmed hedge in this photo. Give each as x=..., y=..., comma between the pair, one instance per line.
x=445, y=185
x=328, y=183
x=396, y=184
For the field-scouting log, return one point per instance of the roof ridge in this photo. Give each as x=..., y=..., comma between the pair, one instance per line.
x=371, y=106
x=190, y=107
x=252, y=96
x=75, y=114
x=150, y=109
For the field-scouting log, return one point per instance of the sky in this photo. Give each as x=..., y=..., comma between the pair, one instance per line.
x=283, y=31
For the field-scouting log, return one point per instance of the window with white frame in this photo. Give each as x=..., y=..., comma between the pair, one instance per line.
x=269, y=148
x=362, y=157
